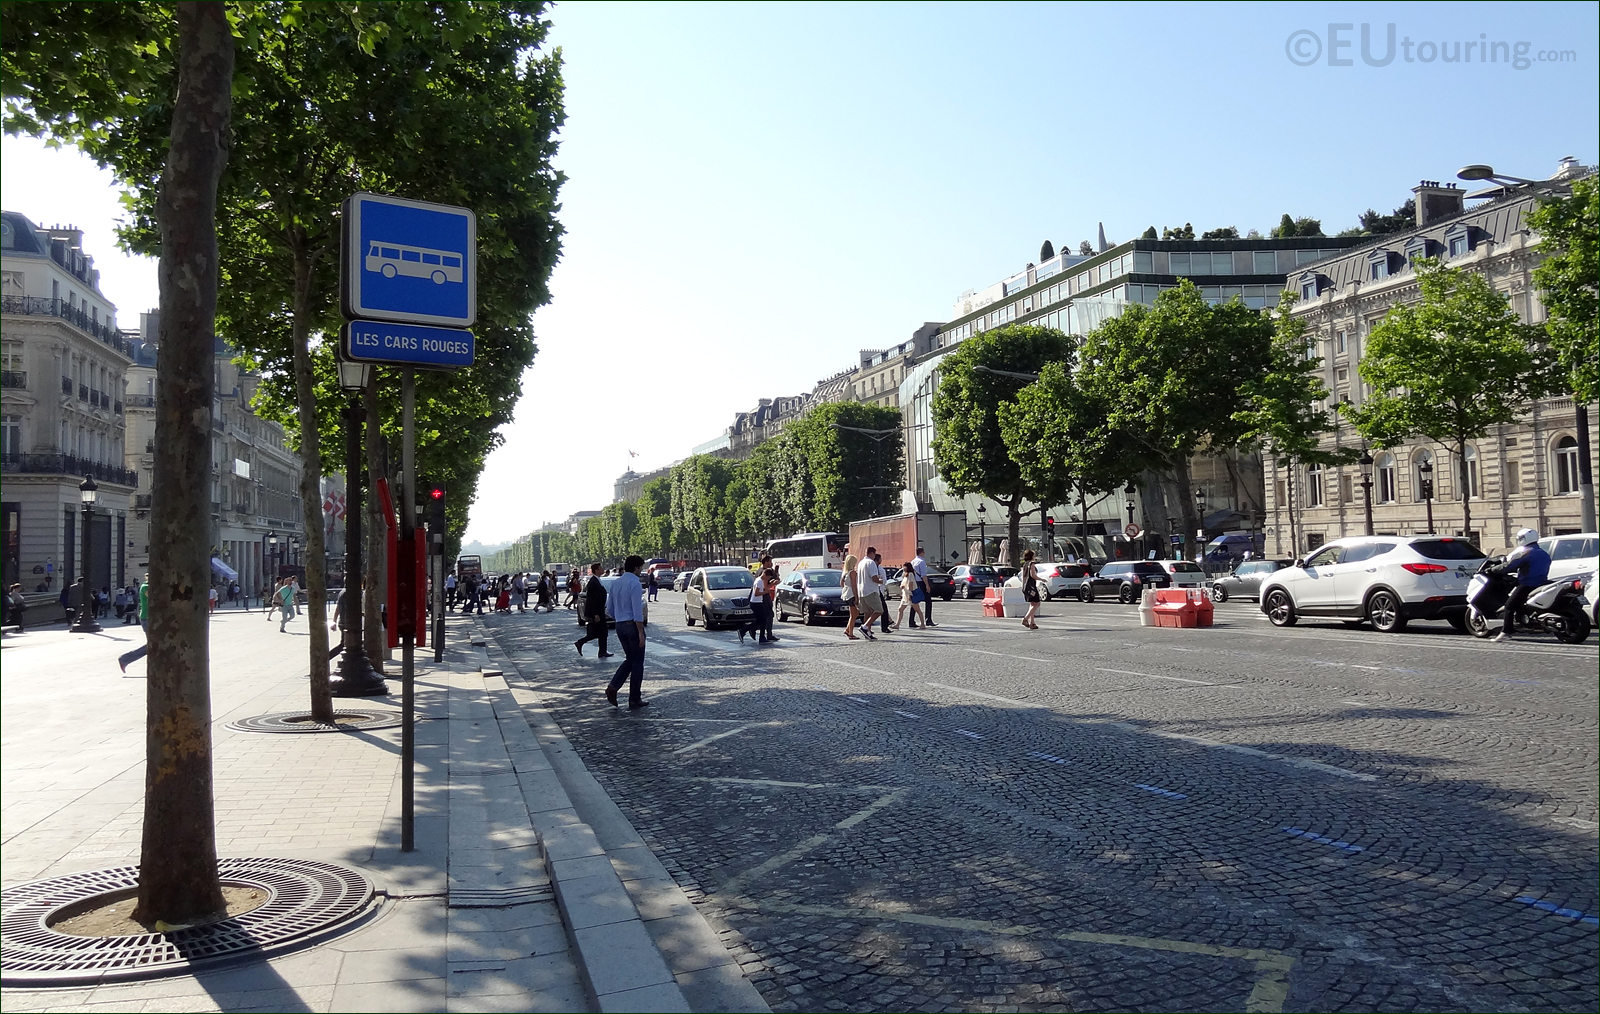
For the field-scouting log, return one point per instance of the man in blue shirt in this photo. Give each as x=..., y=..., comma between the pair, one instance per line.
x=1531, y=564
x=625, y=605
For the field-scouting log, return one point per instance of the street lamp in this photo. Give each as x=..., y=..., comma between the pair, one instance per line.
x=294, y=549
x=1200, y=510
x=1128, y=491
x=88, y=492
x=272, y=556
x=1365, y=461
x=356, y=678
x=1426, y=468
x=983, y=541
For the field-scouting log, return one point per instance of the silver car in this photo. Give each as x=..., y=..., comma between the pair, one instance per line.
x=1244, y=581
x=718, y=596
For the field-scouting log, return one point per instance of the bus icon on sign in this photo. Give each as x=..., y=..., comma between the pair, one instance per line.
x=392, y=259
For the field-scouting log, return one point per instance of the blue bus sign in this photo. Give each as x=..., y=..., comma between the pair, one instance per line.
x=395, y=344
x=409, y=261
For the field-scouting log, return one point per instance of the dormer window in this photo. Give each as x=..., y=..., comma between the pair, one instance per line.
x=1418, y=248
x=1311, y=285
x=1381, y=264
x=1458, y=239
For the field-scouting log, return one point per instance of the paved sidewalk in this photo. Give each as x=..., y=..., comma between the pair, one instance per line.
x=508, y=903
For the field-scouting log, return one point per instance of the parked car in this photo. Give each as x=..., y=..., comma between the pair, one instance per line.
x=1184, y=574
x=891, y=583
x=812, y=595
x=1059, y=580
x=717, y=595
x=682, y=581
x=664, y=578
x=607, y=581
x=1006, y=573
x=939, y=583
x=969, y=580
x=1572, y=555
x=1244, y=581
x=1385, y=580
x=1126, y=579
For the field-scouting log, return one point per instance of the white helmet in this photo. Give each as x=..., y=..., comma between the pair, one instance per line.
x=1527, y=536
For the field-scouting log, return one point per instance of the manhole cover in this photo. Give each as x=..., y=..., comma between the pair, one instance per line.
x=300, y=721
x=306, y=902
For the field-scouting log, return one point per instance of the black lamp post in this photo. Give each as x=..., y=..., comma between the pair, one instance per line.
x=272, y=554
x=1200, y=511
x=1365, y=461
x=983, y=541
x=1426, y=468
x=1128, y=491
x=294, y=549
x=88, y=492
x=356, y=678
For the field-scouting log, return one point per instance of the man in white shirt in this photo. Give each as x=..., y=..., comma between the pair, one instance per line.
x=869, y=579
x=920, y=565
x=625, y=604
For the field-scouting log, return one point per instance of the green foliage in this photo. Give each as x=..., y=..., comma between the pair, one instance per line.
x=1289, y=227
x=1150, y=233
x=1060, y=440
x=1569, y=228
x=1225, y=232
x=1449, y=366
x=1187, y=232
x=1282, y=409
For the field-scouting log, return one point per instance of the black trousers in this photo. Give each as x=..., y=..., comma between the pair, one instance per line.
x=596, y=632
x=1519, y=595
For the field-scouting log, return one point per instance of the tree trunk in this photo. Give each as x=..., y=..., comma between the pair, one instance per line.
x=1294, y=533
x=1466, y=489
x=1013, y=529
x=1185, y=483
x=178, y=854
x=1585, y=471
x=311, y=492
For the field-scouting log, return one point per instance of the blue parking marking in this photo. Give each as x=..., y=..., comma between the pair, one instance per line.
x=1554, y=909
x=1160, y=791
x=1052, y=758
x=968, y=733
x=1300, y=832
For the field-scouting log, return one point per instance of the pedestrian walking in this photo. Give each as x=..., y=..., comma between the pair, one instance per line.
x=869, y=585
x=1030, y=590
x=625, y=606
x=850, y=593
x=920, y=565
x=911, y=596
x=594, y=612
x=269, y=599
x=652, y=586
x=127, y=657
x=285, y=604
x=574, y=585
x=211, y=598
x=450, y=591
x=344, y=611
x=131, y=614
x=16, y=605
x=760, y=608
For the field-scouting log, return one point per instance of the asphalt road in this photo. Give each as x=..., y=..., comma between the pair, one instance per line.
x=1098, y=816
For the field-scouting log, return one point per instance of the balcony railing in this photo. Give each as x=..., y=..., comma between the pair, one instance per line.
x=15, y=378
x=141, y=401
x=41, y=306
x=242, y=508
x=83, y=392
x=141, y=501
x=67, y=465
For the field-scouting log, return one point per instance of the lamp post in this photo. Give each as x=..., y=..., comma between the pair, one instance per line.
x=88, y=492
x=294, y=550
x=356, y=678
x=272, y=556
x=983, y=541
x=1128, y=491
x=1365, y=461
x=1200, y=511
x=1426, y=468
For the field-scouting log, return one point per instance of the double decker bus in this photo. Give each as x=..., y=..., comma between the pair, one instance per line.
x=807, y=551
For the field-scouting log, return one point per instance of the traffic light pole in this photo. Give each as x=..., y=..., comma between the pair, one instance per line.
x=407, y=618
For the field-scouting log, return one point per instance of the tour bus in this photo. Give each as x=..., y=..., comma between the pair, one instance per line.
x=390, y=259
x=807, y=551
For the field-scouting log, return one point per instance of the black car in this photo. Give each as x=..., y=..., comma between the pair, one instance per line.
x=1125, y=579
x=939, y=583
x=812, y=595
x=969, y=581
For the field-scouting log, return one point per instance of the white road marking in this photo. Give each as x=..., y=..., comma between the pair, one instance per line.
x=712, y=739
x=1123, y=672
x=863, y=668
x=1359, y=704
x=990, y=697
x=1577, y=822
x=1180, y=679
x=1249, y=751
x=1001, y=654
x=968, y=733
x=904, y=714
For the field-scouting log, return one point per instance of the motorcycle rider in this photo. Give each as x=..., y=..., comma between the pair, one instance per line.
x=1531, y=564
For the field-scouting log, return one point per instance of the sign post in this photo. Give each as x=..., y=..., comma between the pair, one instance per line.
x=409, y=292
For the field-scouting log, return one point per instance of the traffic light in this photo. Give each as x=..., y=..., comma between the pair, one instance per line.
x=436, y=525
x=1050, y=528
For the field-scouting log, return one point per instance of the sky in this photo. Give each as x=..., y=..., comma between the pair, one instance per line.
x=756, y=193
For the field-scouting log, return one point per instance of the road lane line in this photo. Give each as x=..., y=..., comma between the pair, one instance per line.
x=1248, y=751
x=858, y=700
x=1180, y=679
x=1160, y=791
x=1300, y=832
x=1123, y=672
x=904, y=714
x=968, y=733
x=990, y=697
x=712, y=739
x=863, y=668
x=1001, y=654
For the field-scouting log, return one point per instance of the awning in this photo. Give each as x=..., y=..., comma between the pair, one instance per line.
x=222, y=570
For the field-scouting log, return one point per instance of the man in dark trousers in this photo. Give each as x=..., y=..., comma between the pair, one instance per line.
x=594, y=610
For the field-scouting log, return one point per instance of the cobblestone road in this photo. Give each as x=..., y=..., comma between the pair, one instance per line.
x=1097, y=816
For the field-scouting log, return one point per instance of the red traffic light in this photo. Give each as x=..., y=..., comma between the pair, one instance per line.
x=436, y=493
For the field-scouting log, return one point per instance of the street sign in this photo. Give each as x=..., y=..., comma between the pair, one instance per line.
x=1132, y=531
x=1177, y=540
x=428, y=348
x=409, y=261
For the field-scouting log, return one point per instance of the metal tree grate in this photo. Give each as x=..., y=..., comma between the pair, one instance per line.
x=307, y=901
x=301, y=722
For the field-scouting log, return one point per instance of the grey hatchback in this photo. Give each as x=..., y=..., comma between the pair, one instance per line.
x=1244, y=581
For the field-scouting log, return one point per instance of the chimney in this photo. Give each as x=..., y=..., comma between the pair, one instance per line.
x=1435, y=202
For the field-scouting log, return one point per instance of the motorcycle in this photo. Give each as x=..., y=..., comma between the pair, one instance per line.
x=1556, y=606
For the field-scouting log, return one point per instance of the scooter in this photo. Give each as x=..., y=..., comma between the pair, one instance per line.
x=1556, y=606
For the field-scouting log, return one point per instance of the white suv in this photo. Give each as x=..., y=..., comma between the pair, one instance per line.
x=1184, y=574
x=1386, y=580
